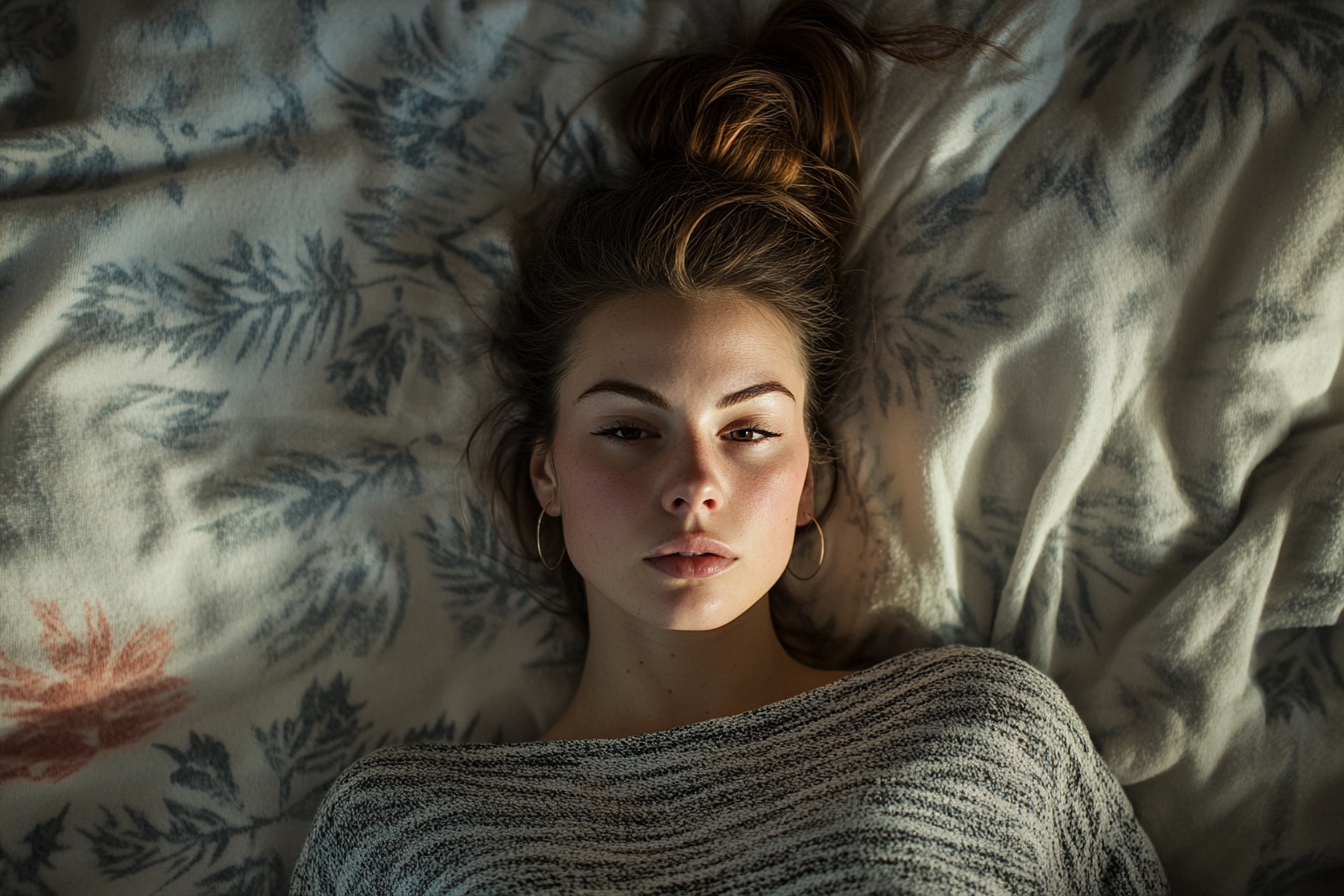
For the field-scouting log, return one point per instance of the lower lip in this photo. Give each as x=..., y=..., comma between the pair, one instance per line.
x=679, y=567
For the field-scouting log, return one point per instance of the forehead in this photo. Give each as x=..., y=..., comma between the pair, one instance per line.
x=664, y=341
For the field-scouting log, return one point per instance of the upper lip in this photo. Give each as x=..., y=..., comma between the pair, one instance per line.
x=692, y=543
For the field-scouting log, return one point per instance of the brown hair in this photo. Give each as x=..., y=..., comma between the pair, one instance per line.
x=750, y=162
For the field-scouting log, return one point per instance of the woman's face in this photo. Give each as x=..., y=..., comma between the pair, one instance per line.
x=680, y=432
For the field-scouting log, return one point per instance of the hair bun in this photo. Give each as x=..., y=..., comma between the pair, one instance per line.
x=780, y=113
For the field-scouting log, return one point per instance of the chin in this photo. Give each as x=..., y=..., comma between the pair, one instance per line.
x=688, y=611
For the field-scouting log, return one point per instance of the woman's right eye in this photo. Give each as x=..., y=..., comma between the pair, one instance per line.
x=623, y=432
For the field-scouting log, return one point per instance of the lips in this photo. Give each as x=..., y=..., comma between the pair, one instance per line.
x=691, y=557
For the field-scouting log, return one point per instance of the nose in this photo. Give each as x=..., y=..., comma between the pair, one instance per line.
x=694, y=482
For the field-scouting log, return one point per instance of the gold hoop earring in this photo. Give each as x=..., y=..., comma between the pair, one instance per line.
x=821, y=559
x=539, y=554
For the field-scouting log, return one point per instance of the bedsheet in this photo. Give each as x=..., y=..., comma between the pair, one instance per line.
x=1095, y=417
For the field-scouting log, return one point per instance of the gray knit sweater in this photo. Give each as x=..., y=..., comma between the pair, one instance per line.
x=956, y=770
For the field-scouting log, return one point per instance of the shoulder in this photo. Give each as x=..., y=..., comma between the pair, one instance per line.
x=958, y=660
x=1001, y=735
x=974, y=680
x=958, y=702
x=359, y=827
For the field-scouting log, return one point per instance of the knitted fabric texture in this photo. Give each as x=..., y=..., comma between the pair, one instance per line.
x=939, y=771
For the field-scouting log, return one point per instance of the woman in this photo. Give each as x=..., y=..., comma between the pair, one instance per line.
x=668, y=352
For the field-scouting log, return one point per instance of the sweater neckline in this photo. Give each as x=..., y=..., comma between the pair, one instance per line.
x=829, y=688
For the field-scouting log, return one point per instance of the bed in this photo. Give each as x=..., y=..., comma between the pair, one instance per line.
x=1095, y=418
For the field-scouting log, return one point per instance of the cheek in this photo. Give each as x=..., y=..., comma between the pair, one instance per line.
x=771, y=495
x=595, y=495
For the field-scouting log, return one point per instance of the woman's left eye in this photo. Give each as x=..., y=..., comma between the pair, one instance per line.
x=749, y=435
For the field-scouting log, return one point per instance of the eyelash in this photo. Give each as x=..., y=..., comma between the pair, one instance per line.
x=763, y=433
x=610, y=432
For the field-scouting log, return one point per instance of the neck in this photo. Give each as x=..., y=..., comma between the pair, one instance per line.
x=638, y=679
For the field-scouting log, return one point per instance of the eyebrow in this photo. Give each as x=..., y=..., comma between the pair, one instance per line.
x=648, y=396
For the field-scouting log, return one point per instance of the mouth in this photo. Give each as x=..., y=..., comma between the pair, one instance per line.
x=690, y=566
x=691, y=557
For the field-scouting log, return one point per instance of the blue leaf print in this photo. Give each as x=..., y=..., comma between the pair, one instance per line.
x=177, y=419
x=67, y=159
x=415, y=229
x=341, y=597
x=32, y=36
x=939, y=217
x=1294, y=670
x=275, y=137
x=562, y=647
x=204, y=768
x=249, y=299
x=375, y=359
x=562, y=46
x=989, y=545
x=1264, y=320
x=1114, y=537
x=921, y=331
x=1212, y=494
x=422, y=116
x=156, y=115
x=319, y=740
x=1080, y=177
x=23, y=876
x=301, y=492
x=207, y=831
x=1293, y=47
x=211, y=828
x=1076, y=618
x=133, y=844
x=579, y=154
x=441, y=731
x=1122, y=523
x=419, y=50
x=181, y=23
x=486, y=590
x=60, y=160
x=1106, y=45
x=1067, y=584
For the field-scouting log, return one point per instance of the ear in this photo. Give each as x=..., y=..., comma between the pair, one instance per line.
x=544, y=483
x=805, y=504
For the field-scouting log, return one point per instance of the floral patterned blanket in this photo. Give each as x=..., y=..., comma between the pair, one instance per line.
x=1096, y=417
